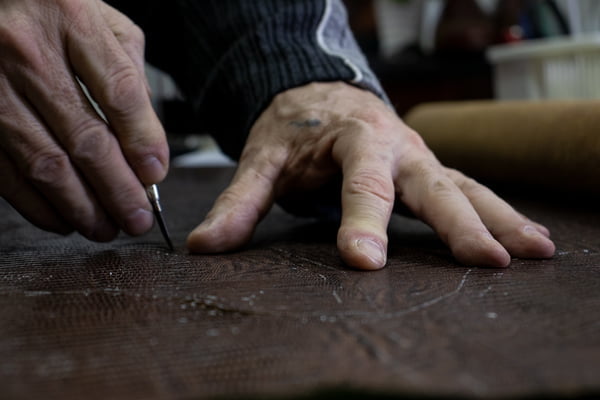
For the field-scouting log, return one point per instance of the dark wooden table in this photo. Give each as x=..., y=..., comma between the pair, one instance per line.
x=285, y=318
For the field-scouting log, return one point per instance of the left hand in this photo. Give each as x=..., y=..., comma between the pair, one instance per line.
x=308, y=135
x=62, y=166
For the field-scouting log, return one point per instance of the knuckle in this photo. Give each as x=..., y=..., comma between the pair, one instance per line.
x=69, y=7
x=418, y=169
x=372, y=184
x=229, y=197
x=456, y=175
x=90, y=144
x=129, y=34
x=441, y=186
x=20, y=45
x=135, y=35
x=424, y=181
x=74, y=11
x=416, y=140
x=250, y=212
x=48, y=168
x=470, y=185
x=376, y=117
x=266, y=162
x=124, y=92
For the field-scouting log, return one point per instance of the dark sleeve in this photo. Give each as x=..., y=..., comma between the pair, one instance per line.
x=230, y=58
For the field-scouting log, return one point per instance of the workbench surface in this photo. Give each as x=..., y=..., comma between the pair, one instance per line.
x=284, y=317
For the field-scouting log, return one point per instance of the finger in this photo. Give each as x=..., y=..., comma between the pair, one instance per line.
x=117, y=85
x=520, y=236
x=27, y=200
x=92, y=149
x=47, y=167
x=428, y=191
x=539, y=227
x=236, y=212
x=367, y=202
x=130, y=37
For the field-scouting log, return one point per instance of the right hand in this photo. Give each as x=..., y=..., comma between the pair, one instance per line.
x=62, y=167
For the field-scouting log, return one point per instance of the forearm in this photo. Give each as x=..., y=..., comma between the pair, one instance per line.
x=233, y=57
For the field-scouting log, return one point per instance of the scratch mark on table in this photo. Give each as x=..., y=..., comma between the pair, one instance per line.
x=211, y=303
x=337, y=297
x=367, y=315
x=485, y=291
x=436, y=300
x=308, y=260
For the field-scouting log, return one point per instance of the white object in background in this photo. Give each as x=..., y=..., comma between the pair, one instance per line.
x=488, y=6
x=574, y=16
x=203, y=158
x=208, y=153
x=430, y=17
x=554, y=68
x=583, y=16
x=401, y=23
x=397, y=25
x=162, y=87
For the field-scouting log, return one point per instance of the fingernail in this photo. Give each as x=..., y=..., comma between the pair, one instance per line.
x=138, y=222
x=545, y=247
x=372, y=250
x=532, y=231
x=541, y=229
x=151, y=170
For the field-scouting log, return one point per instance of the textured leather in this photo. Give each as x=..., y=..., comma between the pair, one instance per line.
x=285, y=317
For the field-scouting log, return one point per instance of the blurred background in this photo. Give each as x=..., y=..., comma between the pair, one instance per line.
x=444, y=50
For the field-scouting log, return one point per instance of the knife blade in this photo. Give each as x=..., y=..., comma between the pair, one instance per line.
x=154, y=197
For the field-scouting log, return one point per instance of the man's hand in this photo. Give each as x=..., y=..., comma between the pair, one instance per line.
x=309, y=134
x=63, y=167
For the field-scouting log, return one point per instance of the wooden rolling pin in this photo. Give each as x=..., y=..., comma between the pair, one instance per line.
x=554, y=144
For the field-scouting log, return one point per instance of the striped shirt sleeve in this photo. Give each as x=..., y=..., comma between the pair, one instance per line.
x=231, y=57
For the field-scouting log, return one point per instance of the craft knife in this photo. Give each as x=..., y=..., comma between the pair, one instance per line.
x=151, y=191
x=154, y=197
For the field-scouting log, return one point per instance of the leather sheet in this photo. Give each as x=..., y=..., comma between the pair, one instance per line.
x=284, y=317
